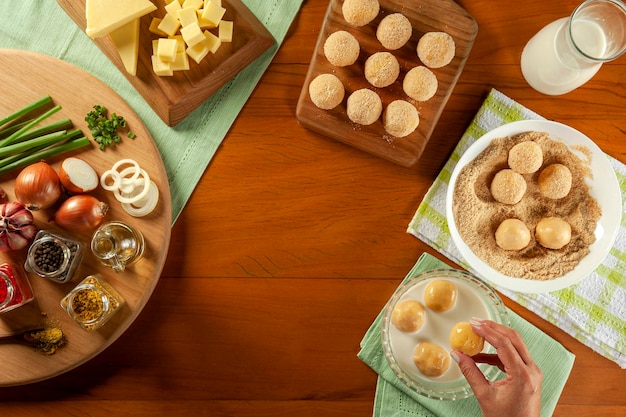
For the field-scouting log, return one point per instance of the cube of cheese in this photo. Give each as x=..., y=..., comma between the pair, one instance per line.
x=166, y=49
x=181, y=63
x=154, y=27
x=161, y=68
x=204, y=24
x=213, y=42
x=195, y=4
x=198, y=51
x=225, y=31
x=169, y=24
x=180, y=43
x=187, y=16
x=173, y=8
x=192, y=34
x=213, y=13
x=155, y=46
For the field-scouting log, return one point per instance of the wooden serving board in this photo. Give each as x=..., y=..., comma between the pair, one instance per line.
x=23, y=81
x=425, y=16
x=174, y=98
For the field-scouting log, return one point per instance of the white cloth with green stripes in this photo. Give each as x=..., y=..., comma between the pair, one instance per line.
x=592, y=310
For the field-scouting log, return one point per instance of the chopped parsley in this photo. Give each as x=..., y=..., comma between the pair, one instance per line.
x=104, y=129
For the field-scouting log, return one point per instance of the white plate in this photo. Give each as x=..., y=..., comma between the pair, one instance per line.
x=603, y=187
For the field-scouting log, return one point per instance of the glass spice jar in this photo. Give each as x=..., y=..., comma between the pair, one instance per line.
x=15, y=290
x=92, y=302
x=54, y=256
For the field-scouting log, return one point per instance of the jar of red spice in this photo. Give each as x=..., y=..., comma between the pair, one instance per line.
x=15, y=290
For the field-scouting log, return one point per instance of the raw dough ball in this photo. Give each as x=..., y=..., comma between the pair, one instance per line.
x=360, y=12
x=463, y=339
x=341, y=48
x=526, y=157
x=420, y=83
x=401, y=118
x=508, y=186
x=436, y=49
x=394, y=31
x=408, y=316
x=382, y=69
x=431, y=359
x=326, y=91
x=555, y=181
x=440, y=295
x=364, y=107
x=512, y=234
x=553, y=232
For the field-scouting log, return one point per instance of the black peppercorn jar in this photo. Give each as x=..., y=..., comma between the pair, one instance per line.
x=54, y=256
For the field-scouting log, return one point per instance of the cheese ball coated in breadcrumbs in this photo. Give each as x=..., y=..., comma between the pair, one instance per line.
x=360, y=12
x=326, y=91
x=364, y=107
x=341, y=48
x=394, y=31
x=400, y=118
x=420, y=83
x=436, y=49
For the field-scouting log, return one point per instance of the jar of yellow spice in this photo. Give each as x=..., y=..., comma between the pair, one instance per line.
x=92, y=302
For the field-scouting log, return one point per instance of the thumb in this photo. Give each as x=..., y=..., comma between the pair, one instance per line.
x=470, y=370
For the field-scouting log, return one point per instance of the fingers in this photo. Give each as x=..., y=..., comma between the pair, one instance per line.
x=472, y=373
x=489, y=359
x=507, y=341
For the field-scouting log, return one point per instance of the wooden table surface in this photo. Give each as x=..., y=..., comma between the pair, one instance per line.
x=292, y=243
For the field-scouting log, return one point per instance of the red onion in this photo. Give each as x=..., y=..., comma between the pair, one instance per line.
x=37, y=186
x=81, y=213
x=16, y=226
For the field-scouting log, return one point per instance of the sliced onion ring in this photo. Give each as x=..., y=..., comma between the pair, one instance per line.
x=117, y=180
x=146, y=187
x=146, y=204
x=135, y=169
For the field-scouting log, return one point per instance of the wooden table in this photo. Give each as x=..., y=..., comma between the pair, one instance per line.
x=292, y=243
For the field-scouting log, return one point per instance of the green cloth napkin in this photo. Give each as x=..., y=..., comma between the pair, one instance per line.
x=186, y=149
x=393, y=398
x=593, y=310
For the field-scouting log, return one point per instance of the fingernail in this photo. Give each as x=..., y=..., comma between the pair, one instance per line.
x=455, y=356
x=475, y=321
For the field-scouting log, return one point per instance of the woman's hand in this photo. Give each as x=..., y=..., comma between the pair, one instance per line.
x=518, y=394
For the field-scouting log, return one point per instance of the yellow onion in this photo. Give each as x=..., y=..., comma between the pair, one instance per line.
x=16, y=226
x=37, y=186
x=81, y=213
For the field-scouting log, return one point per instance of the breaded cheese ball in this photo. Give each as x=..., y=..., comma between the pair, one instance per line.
x=364, y=107
x=326, y=91
x=512, y=234
x=463, y=339
x=394, y=31
x=420, y=83
x=525, y=157
x=341, y=48
x=555, y=181
x=553, y=232
x=408, y=316
x=508, y=186
x=436, y=49
x=360, y=12
x=440, y=295
x=431, y=359
x=381, y=69
x=400, y=118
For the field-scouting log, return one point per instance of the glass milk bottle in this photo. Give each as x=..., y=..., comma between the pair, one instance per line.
x=569, y=51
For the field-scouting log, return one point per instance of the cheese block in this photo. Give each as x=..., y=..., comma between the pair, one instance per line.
x=104, y=16
x=126, y=40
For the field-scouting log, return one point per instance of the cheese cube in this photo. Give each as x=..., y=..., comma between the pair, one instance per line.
x=180, y=43
x=166, y=49
x=161, y=68
x=195, y=4
x=213, y=12
x=154, y=27
x=187, y=16
x=173, y=8
x=192, y=34
x=155, y=46
x=226, y=31
x=181, y=62
x=204, y=24
x=218, y=2
x=169, y=24
x=198, y=51
x=212, y=41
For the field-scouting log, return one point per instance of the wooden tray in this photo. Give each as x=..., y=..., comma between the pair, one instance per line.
x=174, y=98
x=425, y=16
x=23, y=81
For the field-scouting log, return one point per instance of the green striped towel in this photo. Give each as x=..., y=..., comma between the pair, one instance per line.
x=593, y=310
x=393, y=398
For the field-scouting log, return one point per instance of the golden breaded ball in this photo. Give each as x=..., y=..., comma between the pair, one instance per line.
x=431, y=359
x=440, y=295
x=463, y=339
x=364, y=107
x=341, y=48
x=394, y=31
x=400, y=118
x=381, y=69
x=508, y=186
x=436, y=49
x=555, y=181
x=360, y=12
x=420, y=83
x=326, y=91
x=408, y=316
x=525, y=157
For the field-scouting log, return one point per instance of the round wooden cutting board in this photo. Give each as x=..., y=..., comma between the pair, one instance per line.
x=26, y=77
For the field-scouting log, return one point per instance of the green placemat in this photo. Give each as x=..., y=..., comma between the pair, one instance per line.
x=186, y=149
x=593, y=310
x=393, y=398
